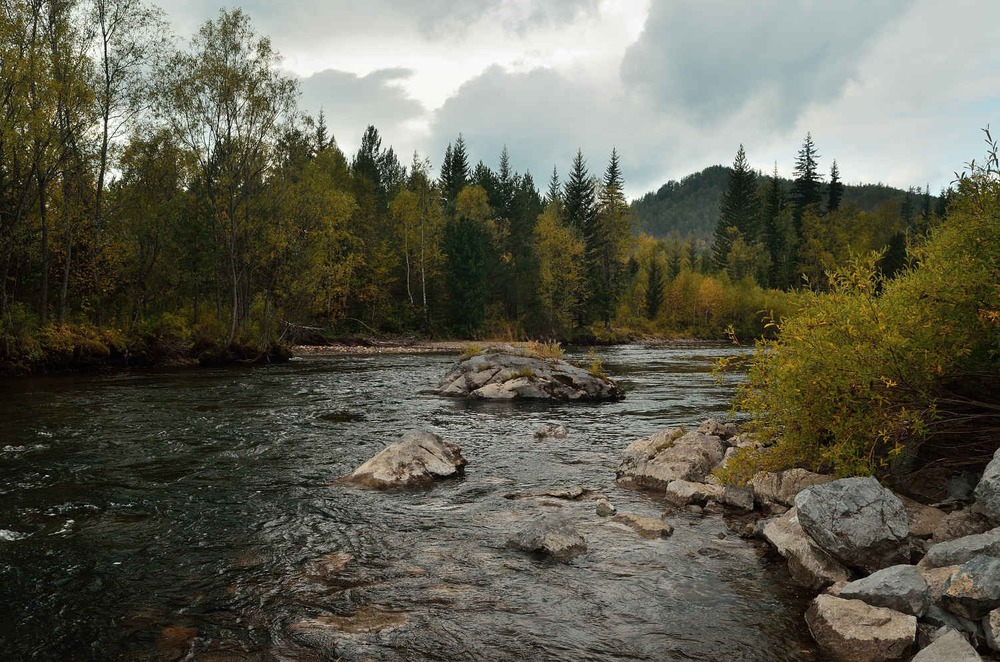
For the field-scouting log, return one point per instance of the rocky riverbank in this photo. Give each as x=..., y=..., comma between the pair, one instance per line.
x=896, y=576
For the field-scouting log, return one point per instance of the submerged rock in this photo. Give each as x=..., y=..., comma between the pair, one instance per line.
x=647, y=527
x=856, y=520
x=605, y=508
x=324, y=632
x=511, y=376
x=551, y=432
x=417, y=459
x=669, y=455
x=551, y=535
x=853, y=631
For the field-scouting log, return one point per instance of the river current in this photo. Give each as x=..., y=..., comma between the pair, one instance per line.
x=194, y=515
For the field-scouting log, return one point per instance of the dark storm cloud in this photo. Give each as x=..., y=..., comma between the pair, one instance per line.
x=708, y=59
x=350, y=102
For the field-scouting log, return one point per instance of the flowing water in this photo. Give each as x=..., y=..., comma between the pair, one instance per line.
x=194, y=515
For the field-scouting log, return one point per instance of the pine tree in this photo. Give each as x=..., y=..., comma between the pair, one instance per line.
x=323, y=139
x=836, y=191
x=739, y=210
x=655, y=287
x=454, y=174
x=774, y=234
x=607, y=243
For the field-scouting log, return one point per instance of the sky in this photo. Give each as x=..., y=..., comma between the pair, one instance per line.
x=897, y=91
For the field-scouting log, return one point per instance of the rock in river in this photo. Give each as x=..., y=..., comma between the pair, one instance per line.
x=853, y=631
x=551, y=535
x=502, y=375
x=669, y=455
x=417, y=459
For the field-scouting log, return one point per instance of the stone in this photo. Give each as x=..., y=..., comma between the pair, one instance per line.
x=647, y=527
x=857, y=521
x=551, y=432
x=550, y=535
x=959, y=524
x=991, y=629
x=324, y=632
x=960, y=550
x=605, y=508
x=973, y=591
x=807, y=563
x=782, y=487
x=717, y=428
x=739, y=497
x=853, y=631
x=938, y=617
x=417, y=459
x=683, y=492
x=669, y=455
x=987, y=492
x=922, y=519
x=509, y=374
x=937, y=579
x=948, y=647
x=899, y=587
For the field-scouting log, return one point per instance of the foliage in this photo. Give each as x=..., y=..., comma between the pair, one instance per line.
x=864, y=373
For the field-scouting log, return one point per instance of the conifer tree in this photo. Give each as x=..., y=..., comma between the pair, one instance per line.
x=579, y=197
x=654, y=287
x=806, y=186
x=554, y=193
x=607, y=243
x=739, y=210
x=773, y=232
x=836, y=191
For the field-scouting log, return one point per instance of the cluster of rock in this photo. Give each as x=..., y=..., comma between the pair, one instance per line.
x=507, y=375
x=417, y=459
x=897, y=575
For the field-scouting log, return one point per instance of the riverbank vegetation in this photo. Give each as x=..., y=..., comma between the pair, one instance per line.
x=877, y=375
x=164, y=201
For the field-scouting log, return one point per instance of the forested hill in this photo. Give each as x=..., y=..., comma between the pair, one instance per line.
x=690, y=207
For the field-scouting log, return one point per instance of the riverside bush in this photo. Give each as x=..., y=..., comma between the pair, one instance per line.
x=864, y=374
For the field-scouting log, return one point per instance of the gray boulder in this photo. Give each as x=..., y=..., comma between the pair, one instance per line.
x=987, y=492
x=900, y=587
x=960, y=550
x=739, y=497
x=991, y=628
x=973, y=591
x=938, y=617
x=857, y=521
x=715, y=427
x=669, y=455
x=949, y=647
x=508, y=375
x=551, y=535
x=853, y=631
x=808, y=565
x=646, y=527
x=417, y=459
x=551, y=432
x=783, y=486
x=605, y=508
x=684, y=492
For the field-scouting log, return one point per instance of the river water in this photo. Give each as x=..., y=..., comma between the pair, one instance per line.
x=194, y=515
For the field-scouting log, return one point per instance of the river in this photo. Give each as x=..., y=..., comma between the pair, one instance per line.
x=193, y=515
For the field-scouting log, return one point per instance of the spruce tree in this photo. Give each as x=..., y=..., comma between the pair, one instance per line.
x=607, y=243
x=739, y=210
x=454, y=173
x=773, y=232
x=806, y=186
x=323, y=139
x=579, y=196
x=655, y=286
x=836, y=192
x=554, y=193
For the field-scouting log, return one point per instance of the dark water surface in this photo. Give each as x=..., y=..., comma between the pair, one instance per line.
x=192, y=515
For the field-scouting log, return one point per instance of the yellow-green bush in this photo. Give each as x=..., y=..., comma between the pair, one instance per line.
x=853, y=382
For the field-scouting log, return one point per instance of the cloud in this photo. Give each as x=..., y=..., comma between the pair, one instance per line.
x=350, y=103
x=708, y=59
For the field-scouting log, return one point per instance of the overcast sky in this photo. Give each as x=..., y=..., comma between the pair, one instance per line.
x=895, y=90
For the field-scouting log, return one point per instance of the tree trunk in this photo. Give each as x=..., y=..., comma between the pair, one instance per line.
x=43, y=299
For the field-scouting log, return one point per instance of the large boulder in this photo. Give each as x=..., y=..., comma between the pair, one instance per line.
x=647, y=527
x=857, y=521
x=974, y=589
x=988, y=491
x=782, y=487
x=991, y=628
x=685, y=492
x=550, y=535
x=808, y=564
x=949, y=647
x=417, y=459
x=899, y=587
x=508, y=375
x=669, y=455
x=960, y=550
x=853, y=631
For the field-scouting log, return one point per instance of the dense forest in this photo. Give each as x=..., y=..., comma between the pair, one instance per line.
x=162, y=199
